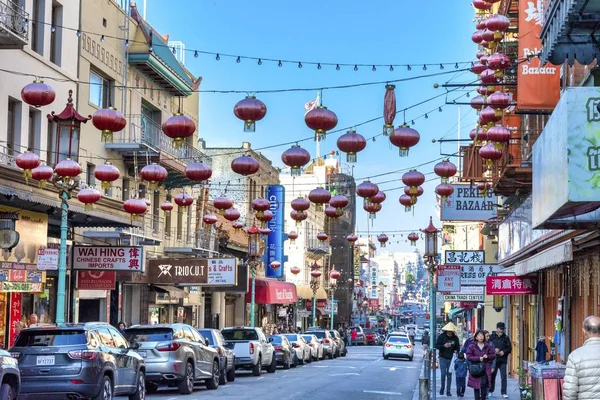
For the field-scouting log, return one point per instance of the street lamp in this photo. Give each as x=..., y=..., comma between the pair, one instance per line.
x=254, y=253
x=65, y=179
x=430, y=255
x=334, y=276
x=314, y=285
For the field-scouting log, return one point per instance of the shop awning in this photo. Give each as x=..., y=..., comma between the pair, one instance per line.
x=174, y=292
x=269, y=291
x=305, y=292
x=455, y=312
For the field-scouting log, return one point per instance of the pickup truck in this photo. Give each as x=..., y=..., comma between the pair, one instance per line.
x=251, y=348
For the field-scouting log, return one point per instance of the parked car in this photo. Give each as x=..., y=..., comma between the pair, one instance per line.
x=251, y=348
x=396, y=333
x=10, y=376
x=315, y=345
x=91, y=360
x=398, y=346
x=301, y=348
x=329, y=346
x=215, y=339
x=369, y=336
x=339, y=343
x=284, y=352
x=175, y=355
x=360, y=336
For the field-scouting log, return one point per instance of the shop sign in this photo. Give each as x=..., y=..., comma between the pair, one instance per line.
x=33, y=235
x=467, y=203
x=274, y=241
x=328, y=307
x=464, y=297
x=449, y=278
x=303, y=313
x=30, y=287
x=108, y=258
x=470, y=290
x=185, y=271
x=511, y=285
x=284, y=294
x=474, y=275
x=321, y=303
x=48, y=259
x=465, y=256
x=222, y=272
x=19, y=275
x=374, y=303
x=96, y=280
x=15, y=317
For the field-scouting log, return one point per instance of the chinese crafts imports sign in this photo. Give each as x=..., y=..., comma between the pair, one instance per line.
x=511, y=285
x=449, y=278
x=467, y=203
x=108, y=258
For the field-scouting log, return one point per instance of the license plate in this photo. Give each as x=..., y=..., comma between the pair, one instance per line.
x=142, y=353
x=45, y=360
x=399, y=347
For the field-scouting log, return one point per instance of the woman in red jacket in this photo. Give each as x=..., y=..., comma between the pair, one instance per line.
x=480, y=352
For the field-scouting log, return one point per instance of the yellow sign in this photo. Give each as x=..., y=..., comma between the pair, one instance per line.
x=30, y=287
x=33, y=229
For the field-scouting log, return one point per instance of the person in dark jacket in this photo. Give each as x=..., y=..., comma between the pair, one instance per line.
x=460, y=372
x=425, y=340
x=447, y=344
x=503, y=348
x=481, y=351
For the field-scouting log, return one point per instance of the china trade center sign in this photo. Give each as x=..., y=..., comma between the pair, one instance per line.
x=274, y=241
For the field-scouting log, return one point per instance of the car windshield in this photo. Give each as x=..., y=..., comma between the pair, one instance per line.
x=207, y=335
x=276, y=339
x=292, y=338
x=240, y=334
x=141, y=335
x=320, y=335
x=54, y=337
x=308, y=338
x=398, y=339
x=367, y=331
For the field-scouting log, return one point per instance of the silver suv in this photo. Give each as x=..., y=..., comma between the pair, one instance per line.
x=175, y=355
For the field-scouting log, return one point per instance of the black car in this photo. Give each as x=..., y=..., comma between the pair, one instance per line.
x=215, y=339
x=284, y=352
x=9, y=376
x=72, y=361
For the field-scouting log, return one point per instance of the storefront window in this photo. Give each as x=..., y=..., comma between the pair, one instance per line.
x=43, y=305
x=158, y=315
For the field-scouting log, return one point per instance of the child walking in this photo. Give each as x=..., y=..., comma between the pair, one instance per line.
x=460, y=371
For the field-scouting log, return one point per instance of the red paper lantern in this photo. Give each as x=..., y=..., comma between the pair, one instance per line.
x=372, y=209
x=486, y=90
x=265, y=217
x=488, y=116
x=333, y=212
x=183, y=200
x=89, y=196
x=499, y=101
x=320, y=120
x=106, y=173
x=444, y=190
x=351, y=238
x=351, y=143
x=178, y=127
x=109, y=120
x=484, y=59
x=497, y=22
x=413, y=179
x=479, y=134
x=231, y=214
x=339, y=201
x=260, y=205
x=295, y=270
x=404, y=138
x=293, y=235
x=245, y=165
x=67, y=168
x=27, y=161
x=419, y=191
x=482, y=5
x=319, y=196
x=490, y=76
x=210, y=219
x=237, y=226
x=198, y=172
x=367, y=190
x=315, y=273
x=38, y=94
x=499, y=61
x=445, y=170
x=378, y=198
x=478, y=68
x=499, y=135
x=300, y=204
x=275, y=264
x=298, y=216
x=222, y=204
x=135, y=207
x=295, y=157
x=476, y=37
x=407, y=201
x=413, y=237
x=167, y=207
x=264, y=231
x=483, y=187
x=481, y=54
x=490, y=154
x=477, y=103
x=250, y=110
x=322, y=236
x=154, y=174
x=334, y=274
x=42, y=174
x=481, y=24
x=487, y=35
x=382, y=239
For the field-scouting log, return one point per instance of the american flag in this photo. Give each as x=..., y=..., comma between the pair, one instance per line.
x=311, y=105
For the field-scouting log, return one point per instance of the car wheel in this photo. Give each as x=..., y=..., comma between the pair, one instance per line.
x=288, y=363
x=331, y=355
x=106, y=390
x=186, y=385
x=222, y=375
x=386, y=357
x=295, y=361
x=310, y=358
x=231, y=374
x=213, y=382
x=7, y=392
x=301, y=362
x=151, y=388
x=410, y=358
x=345, y=352
x=273, y=366
x=257, y=369
x=140, y=390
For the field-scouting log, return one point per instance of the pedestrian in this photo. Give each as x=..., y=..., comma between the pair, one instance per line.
x=122, y=326
x=447, y=344
x=480, y=354
x=467, y=343
x=582, y=378
x=460, y=371
x=33, y=319
x=353, y=337
x=411, y=335
x=503, y=348
x=425, y=340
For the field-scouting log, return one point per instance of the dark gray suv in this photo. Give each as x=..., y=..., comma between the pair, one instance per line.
x=78, y=361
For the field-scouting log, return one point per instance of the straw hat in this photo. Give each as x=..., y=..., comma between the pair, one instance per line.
x=450, y=327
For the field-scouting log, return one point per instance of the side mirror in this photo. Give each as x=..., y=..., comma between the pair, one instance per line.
x=206, y=341
x=270, y=340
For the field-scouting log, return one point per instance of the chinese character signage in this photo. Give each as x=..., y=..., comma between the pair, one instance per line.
x=465, y=257
x=374, y=303
x=108, y=258
x=467, y=203
x=96, y=280
x=173, y=271
x=474, y=275
x=511, y=285
x=274, y=241
x=15, y=317
x=449, y=278
x=222, y=272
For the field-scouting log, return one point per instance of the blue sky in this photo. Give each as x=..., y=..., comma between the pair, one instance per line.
x=381, y=31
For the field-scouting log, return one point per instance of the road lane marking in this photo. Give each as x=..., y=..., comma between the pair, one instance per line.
x=381, y=392
x=344, y=374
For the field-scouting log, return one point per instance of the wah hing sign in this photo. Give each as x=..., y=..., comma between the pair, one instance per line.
x=511, y=285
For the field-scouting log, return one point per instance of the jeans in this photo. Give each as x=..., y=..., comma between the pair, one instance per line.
x=503, y=381
x=445, y=373
x=481, y=394
x=461, y=384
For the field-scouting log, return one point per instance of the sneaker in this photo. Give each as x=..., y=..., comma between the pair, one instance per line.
x=490, y=395
x=505, y=396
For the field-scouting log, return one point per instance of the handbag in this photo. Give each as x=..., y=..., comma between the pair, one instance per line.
x=477, y=370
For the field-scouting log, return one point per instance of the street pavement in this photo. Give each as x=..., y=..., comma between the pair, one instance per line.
x=363, y=373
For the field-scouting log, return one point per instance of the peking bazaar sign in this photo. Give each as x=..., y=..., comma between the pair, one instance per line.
x=511, y=285
x=109, y=258
x=539, y=85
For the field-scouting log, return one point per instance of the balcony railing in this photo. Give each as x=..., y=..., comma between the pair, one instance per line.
x=14, y=21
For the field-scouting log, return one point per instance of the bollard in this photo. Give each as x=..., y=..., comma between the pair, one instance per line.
x=423, y=388
x=427, y=363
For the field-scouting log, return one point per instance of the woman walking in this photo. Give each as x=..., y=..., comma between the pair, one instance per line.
x=480, y=354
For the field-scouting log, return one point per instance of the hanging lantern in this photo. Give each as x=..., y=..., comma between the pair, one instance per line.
x=413, y=179
x=413, y=237
x=250, y=110
x=315, y=273
x=298, y=216
x=231, y=214
x=351, y=238
x=489, y=116
x=476, y=37
x=183, y=200
x=260, y=205
x=148, y=204
x=499, y=61
x=478, y=68
x=481, y=54
x=320, y=120
x=210, y=219
x=89, y=196
x=378, y=198
x=484, y=59
x=135, y=207
x=109, y=120
x=222, y=204
x=382, y=239
x=275, y=264
x=198, y=172
x=178, y=127
x=482, y=5
x=167, y=207
x=295, y=270
x=245, y=165
x=367, y=190
x=339, y=201
x=237, y=226
x=477, y=103
x=265, y=217
x=404, y=138
x=295, y=157
x=264, y=231
x=486, y=90
x=481, y=24
x=319, y=196
x=293, y=235
x=154, y=174
x=106, y=173
x=444, y=190
x=478, y=134
x=333, y=212
x=487, y=35
x=499, y=101
x=389, y=109
x=483, y=188
x=300, y=204
x=445, y=170
x=42, y=174
x=499, y=135
x=490, y=76
x=322, y=236
x=67, y=168
x=335, y=274
x=406, y=201
x=372, y=209
x=27, y=162
x=351, y=143
x=490, y=154
x=38, y=94
x=497, y=23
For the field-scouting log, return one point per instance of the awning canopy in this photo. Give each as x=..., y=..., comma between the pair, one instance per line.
x=269, y=291
x=455, y=312
x=305, y=292
x=174, y=292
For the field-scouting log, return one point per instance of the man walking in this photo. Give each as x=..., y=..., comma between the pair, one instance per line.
x=447, y=344
x=425, y=341
x=503, y=348
x=582, y=378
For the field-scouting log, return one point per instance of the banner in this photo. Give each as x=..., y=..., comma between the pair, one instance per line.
x=274, y=241
x=538, y=85
x=511, y=285
x=109, y=258
x=16, y=300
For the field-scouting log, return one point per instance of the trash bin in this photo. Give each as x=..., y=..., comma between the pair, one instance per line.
x=547, y=380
